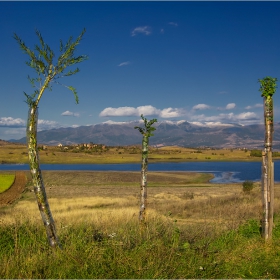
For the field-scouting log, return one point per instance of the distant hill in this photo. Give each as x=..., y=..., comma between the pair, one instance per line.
x=180, y=133
x=3, y=142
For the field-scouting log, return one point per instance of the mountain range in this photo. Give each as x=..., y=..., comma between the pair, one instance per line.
x=167, y=133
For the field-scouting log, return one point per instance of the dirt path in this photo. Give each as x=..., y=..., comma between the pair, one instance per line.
x=14, y=192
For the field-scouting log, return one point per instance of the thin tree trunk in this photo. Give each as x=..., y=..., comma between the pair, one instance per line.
x=264, y=197
x=144, y=167
x=271, y=203
x=37, y=179
x=268, y=170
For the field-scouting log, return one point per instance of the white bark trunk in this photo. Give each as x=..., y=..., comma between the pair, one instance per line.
x=37, y=179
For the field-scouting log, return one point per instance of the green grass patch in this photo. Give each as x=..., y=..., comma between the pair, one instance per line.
x=6, y=180
x=160, y=249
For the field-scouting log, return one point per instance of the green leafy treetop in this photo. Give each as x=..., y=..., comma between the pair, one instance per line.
x=41, y=60
x=148, y=129
x=268, y=87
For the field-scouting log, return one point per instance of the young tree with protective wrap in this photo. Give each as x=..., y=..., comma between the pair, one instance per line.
x=48, y=72
x=268, y=88
x=146, y=132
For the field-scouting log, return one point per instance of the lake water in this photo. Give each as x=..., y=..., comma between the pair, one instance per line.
x=224, y=172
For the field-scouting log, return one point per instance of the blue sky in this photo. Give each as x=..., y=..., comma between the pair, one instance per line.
x=194, y=61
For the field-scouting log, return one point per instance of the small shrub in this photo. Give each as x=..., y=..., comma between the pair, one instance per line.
x=275, y=154
x=247, y=186
x=250, y=229
x=256, y=153
x=188, y=195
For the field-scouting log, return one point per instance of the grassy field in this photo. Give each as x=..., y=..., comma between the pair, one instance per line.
x=194, y=229
x=6, y=180
x=71, y=154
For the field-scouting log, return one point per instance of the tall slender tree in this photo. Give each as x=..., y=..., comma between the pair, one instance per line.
x=47, y=73
x=267, y=88
x=146, y=132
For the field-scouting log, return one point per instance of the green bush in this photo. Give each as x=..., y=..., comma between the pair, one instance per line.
x=250, y=229
x=276, y=154
x=256, y=153
x=247, y=186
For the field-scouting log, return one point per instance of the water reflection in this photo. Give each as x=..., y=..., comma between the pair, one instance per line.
x=224, y=172
x=225, y=177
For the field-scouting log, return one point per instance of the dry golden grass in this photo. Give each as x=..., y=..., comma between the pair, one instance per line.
x=78, y=197
x=13, y=153
x=123, y=178
x=16, y=153
x=194, y=229
x=72, y=211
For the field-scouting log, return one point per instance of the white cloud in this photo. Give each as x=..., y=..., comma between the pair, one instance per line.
x=254, y=106
x=173, y=23
x=117, y=112
x=124, y=63
x=162, y=31
x=146, y=110
x=201, y=107
x=45, y=124
x=242, y=118
x=230, y=106
x=16, y=127
x=112, y=122
x=8, y=133
x=210, y=124
x=146, y=30
x=171, y=113
x=16, y=131
x=129, y=111
x=11, y=122
x=247, y=116
x=68, y=113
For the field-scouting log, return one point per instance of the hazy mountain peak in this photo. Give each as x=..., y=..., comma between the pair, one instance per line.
x=168, y=133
